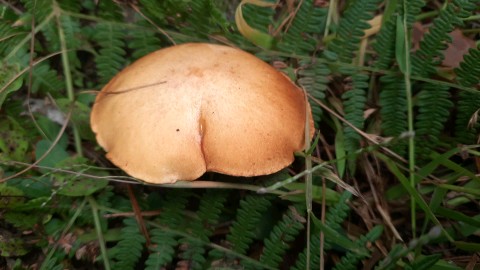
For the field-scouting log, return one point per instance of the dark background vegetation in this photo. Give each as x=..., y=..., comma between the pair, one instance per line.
x=394, y=89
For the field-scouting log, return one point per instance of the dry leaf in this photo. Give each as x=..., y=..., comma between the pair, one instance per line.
x=460, y=45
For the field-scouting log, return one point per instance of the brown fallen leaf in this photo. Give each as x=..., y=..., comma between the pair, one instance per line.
x=460, y=45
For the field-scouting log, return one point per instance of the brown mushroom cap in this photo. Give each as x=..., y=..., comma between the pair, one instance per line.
x=181, y=111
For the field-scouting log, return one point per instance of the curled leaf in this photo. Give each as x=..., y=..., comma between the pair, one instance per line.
x=257, y=37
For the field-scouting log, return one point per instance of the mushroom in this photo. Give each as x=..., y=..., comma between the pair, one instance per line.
x=181, y=111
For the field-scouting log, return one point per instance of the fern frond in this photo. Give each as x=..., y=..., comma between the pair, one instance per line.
x=109, y=10
x=339, y=212
x=281, y=235
x=468, y=74
x=198, y=18
x=162, y=249
x=201, y=25
x=40, y=9
x=351, y=29
x=260, y=18
x=434, y=108
x=430, y=53
x=335, y=215
x=350, y=260
x=143, y=42
x=414, y=7
x=9, y=37
x=248, y=215
x=70, y=5
x=73, y=37
x=393, y=111
x=111, y=56
x=301, y=263
x=46, y=79
x=314, y=77
x=354, y=100
x=385, y=42
x=163, y=241
x=300, y=37
x=129, y=249
x=163, y=12
x=211, y=206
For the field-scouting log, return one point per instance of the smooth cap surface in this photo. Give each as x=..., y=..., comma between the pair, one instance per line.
x=181, y=111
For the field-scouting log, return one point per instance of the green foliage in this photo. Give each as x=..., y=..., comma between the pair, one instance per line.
x=301, y=36
x=248, y=216
x=468, y=74
x=314, y=77
x=163, y=240
x=143, y=42
x=386, y=42
x=429, y=55
x=393, y=108
x=111, y=58
x=351, y=259
x=354, y=99
x=334, y=217
x=129, y=249
x=351, y=29
x=434, y=108
x=281, y=235
x=208, y=215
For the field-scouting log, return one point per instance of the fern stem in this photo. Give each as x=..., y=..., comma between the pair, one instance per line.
x=411, y=139
x=68, y=76
x=98, y=228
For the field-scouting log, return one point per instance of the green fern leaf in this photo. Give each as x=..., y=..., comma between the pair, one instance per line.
x=164, y=241
x=70, y=5
x=393, y=109
x=281, y=235
x=211, y=206
x=242, y=231
x=109, y=10
x=10, y=36
x=301, y=263
x=351, y=259
x=111, y=56
x=129, y=249
x=162, y=249
x=386, y=42
x=73, y=38
x=314, y=77
x=40, y=9
x=351, y=29
x=301, y=36
x=143, y=42
x=430, y=53
x=248, y=215
x=334, y=217
x=201, y=25
x=46, y=80
x=434, y=108
x=354, y=100
x=468, y=74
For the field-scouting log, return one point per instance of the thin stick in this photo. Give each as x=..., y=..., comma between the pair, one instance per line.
x=138, y=214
